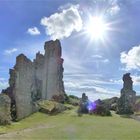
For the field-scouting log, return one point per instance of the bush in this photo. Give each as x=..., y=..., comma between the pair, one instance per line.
x=101, y=110
x=72, y=100
x=73, y=97
x=98, y=107
x=66, y=97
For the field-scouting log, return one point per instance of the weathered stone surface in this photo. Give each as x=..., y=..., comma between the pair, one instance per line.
x=53, y=70
x=5, y=114
x=31, y=81
x=127, y=100
x=10, y=92
x=51, y=107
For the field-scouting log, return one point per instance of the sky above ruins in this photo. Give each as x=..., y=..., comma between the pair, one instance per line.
x=100, y=40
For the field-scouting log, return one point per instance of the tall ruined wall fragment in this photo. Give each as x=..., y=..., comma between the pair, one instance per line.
x=23, y=87
x=41, y=79
x=53, y=70
x=127, y=99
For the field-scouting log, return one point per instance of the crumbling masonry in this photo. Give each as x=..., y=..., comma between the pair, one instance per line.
x=127, y=99
x=31, y=81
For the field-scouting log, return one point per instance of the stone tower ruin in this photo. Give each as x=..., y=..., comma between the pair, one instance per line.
x=128, y=96
x=31, y=81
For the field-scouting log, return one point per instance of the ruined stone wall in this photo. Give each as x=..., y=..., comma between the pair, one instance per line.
x=38, y=72
x=52, y=83
x=41, y=79
x=127, y=99
x=23, y=87
x=5, y=102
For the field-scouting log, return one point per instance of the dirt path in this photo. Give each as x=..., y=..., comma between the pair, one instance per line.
x=135, y=117
x=8, y=136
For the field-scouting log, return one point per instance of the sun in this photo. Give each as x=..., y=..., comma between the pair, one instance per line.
x=96, y=28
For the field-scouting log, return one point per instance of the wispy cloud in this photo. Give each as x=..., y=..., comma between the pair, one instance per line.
x=114, y=7
x=106, y=61
x=111, y=7
x=79, y=78
x=95, y=86
x=116, y=81
x=33, y=31
x=60, y=25
x=131, y=58
x=10, y=51
x=97, y=58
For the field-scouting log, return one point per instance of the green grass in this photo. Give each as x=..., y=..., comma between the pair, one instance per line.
x=68, y=126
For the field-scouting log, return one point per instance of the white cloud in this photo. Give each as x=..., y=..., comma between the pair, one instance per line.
x=60, y=25
x=3, y=83
x=33, y=31
x=131, y=59
x=136, y=80
x=112, y=6
x=65, y=6
x=10, y=51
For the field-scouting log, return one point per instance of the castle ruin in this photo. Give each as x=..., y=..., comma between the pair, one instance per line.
x=31, y=81
x=127, y=99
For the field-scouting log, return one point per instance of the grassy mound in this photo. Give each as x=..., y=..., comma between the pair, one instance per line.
x=68, y=125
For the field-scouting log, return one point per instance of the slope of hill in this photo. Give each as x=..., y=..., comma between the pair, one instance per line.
x=68, y=125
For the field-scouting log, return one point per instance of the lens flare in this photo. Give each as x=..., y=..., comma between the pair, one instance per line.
x=91, y=106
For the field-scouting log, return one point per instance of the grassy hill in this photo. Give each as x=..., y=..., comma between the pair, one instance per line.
x=68, y=126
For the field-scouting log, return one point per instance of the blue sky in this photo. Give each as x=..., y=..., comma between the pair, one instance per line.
x=93, y=66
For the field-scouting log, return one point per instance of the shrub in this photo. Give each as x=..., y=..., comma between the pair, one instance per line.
x=98, y=107
x=73, y=102
x=101, y=110
x=73, y=97
x=66, y=97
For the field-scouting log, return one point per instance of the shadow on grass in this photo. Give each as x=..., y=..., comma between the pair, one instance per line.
x=2, y=133
x=126, y=116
